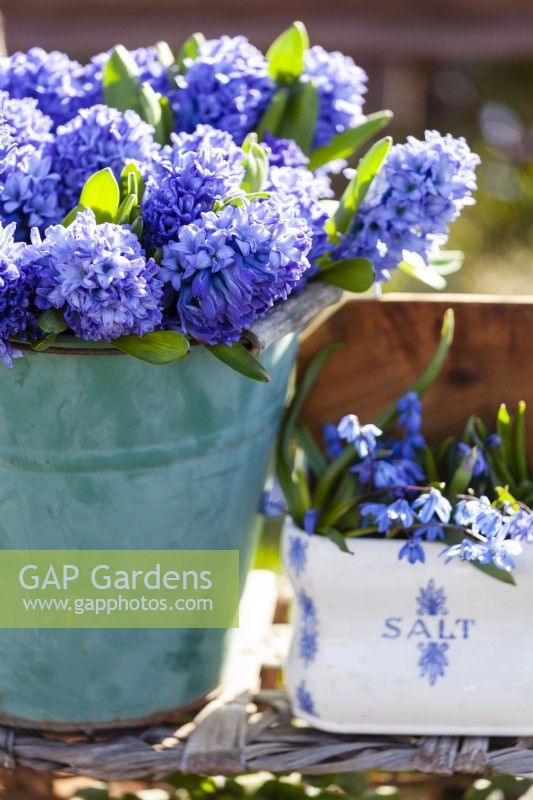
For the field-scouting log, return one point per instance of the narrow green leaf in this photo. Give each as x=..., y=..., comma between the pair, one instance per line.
x=72, y=214
x=337, y=538
x=306, y=383
x=137, y=227
x=273, y=116
x=431, y=372
x=256, y=168
x=351, y=274
x=312, y=451
x=125, y=210
x=240, y=359
x=285, y=56
x=131, y=181
x=354, y=194
x=52, y=321
x=159, y=347
x=519, y=436
x=430, y=465
x=152, y=112
x=167, y=119
x=462, y=476
x=120, y=80
x=238, y=199
x=102, y=195
x=189, y=51
x=284, y=459
x=165, y=54
x=345, y=144
x=40, y=345
x=299, y=120
x=415, y=267
x=504, y=429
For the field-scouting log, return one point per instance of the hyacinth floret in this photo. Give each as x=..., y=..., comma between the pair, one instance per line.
x=420, y=191
x=55, y=81
x=341, y=87
x=228, y=268
x=305, y=190
x=99, y=137
x=187, y=179
x=227, y=86
x=15, y=301
x=25, y=122
x=99, y=276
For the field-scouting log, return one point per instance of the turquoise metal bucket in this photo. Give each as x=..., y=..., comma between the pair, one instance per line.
x=101, y=451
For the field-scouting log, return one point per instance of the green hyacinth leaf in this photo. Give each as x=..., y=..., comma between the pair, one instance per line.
x=120, y=80
x=158, y=347
x=101, y=194
x=354, y=194
x=240, y=359
x=345, y=144
x=165, y=54
x=285, y=56
x=255, y=168
x=52, y=321
x=272, y=118
x=189, y=51
x=351, y=274
x=299, y=119
x=72, y=214
x=131, y=181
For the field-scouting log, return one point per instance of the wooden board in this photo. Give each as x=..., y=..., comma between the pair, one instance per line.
x=389, y=341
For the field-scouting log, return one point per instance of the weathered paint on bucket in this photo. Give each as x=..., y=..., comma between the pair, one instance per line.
x=104, y=451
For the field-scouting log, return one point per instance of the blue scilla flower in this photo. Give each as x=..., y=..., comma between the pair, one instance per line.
x=341, y=86
x=310, y=520
x=95, y=138
x=226, y=86
x=99, y=276
x=57, y=83
x=377, y=513
x=382, y=474
x=25, y=122
x=479, y=515
x=187, y=179
x=332, y=441
x=480, y=468
x=409, y=410
x=363, y=437
x=283, y=152
x=229, y=267
x=15, y=293
x=412, y=550
x=499, y=551
x=401, y=513
x=421, y=189
x=432, y=504
x=29, y=188
x=519, y=526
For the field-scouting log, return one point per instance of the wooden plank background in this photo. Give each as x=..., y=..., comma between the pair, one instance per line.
x=388, y=342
